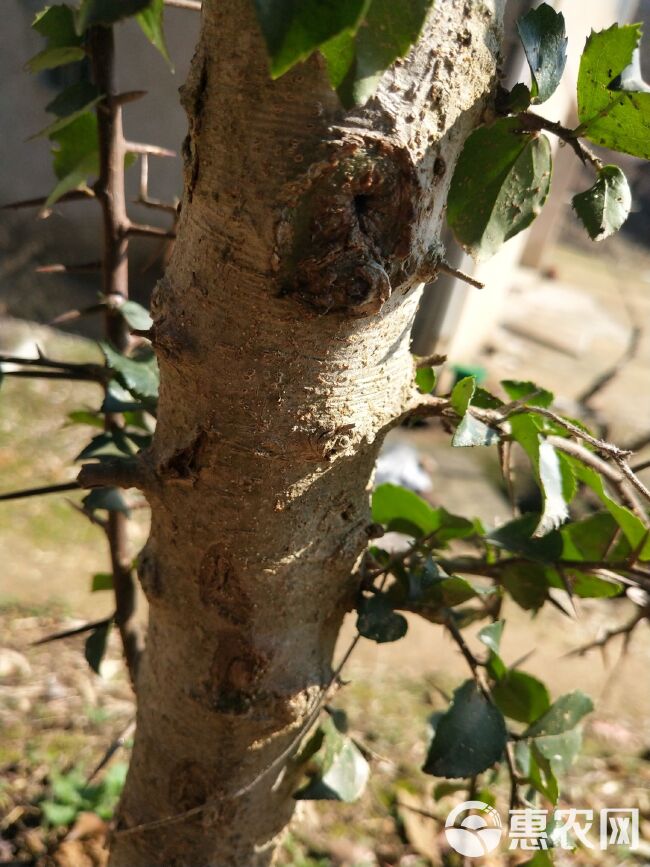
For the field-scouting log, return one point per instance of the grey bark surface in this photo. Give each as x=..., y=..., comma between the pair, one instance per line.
x=282, y=331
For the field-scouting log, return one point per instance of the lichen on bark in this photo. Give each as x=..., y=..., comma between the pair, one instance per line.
x=282, y=333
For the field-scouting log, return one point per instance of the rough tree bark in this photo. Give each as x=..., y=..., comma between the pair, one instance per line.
x=282, y=331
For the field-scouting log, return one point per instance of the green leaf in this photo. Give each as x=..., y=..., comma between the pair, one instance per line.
x=74, y=101
x=355, y=65
x=617, y=119
x=50, y=58
x=447, y=591
x=593, y=539
x=527, y=583
x=110, y=499
x=483, y=399
x=58, y=815
x=519, y=390
x=604, y=208
x=107, y=12
x=537, y=770
x=391, y=503
x=472, y=432
x=462, y=394
x=563, y=715
x=76, y=154
x=342, y=771
x=292, y=31
x=151, y=23
x=139, y=375
x=543, y=34
x=501, y=181
x=378, y=622
x=118, y=399
x=516, y=536
x=633, y=528
x=559, y=750
x=83, y=416
x=491, y=635
x=95, y=646
x=101, y=581
x=470, y=737
x=425, y=379
x=585, y=585
x=521, y=696
x=56, y=25
x=136, y=316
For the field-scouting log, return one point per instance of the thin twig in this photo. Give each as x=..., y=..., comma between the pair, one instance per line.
x=75, y=630
x=72, y=196
x=39, y=492
x=125, y=735
x=625, y=630
x=135, y=147
x=60, y=268
x=534, y=123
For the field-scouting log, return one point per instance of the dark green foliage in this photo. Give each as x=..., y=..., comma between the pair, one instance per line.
x=543, y=34
x=501, y=181
x=617, y=119
x=604, y=207
x=95, y=646
x=339, y=771
x=379, y=622
x=469, y=738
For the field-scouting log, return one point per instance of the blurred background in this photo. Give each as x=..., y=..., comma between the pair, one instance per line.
x=570, y=315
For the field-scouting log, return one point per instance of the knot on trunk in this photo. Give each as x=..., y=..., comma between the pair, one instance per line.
x=347, y=227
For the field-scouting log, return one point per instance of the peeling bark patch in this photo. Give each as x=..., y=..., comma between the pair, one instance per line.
x=236, y=670
x=188, y=785
x=148, y=574
x=219, y=587
x=348, y=227
x=185, y=464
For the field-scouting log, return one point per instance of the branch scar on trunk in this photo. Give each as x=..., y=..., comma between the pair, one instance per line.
x=346, y=228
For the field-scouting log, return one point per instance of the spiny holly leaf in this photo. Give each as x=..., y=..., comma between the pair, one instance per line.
x=107, y=12
x=469, y=738
x=604, y=207
x=633, y=528
x=527, y=392
x=617, y=119
x=501, y=181
x=585, y=585
x=543, y=34
x=547, y=469
x=378, y=622
x=472, y=432
x=341, y=770
x=151, y=24
x=357, y=62
x=101, y=581
x=594, y=538
x=517, y=536
x=293, y=30
x=139, y=375
x=95, y=646
x=521, y=696
x=56, y=24
x=563, y=715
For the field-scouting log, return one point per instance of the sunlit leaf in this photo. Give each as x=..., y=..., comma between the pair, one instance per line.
x=543, y=34
x=604, y=207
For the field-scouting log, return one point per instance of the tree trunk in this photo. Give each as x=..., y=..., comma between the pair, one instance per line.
x=282, y=331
